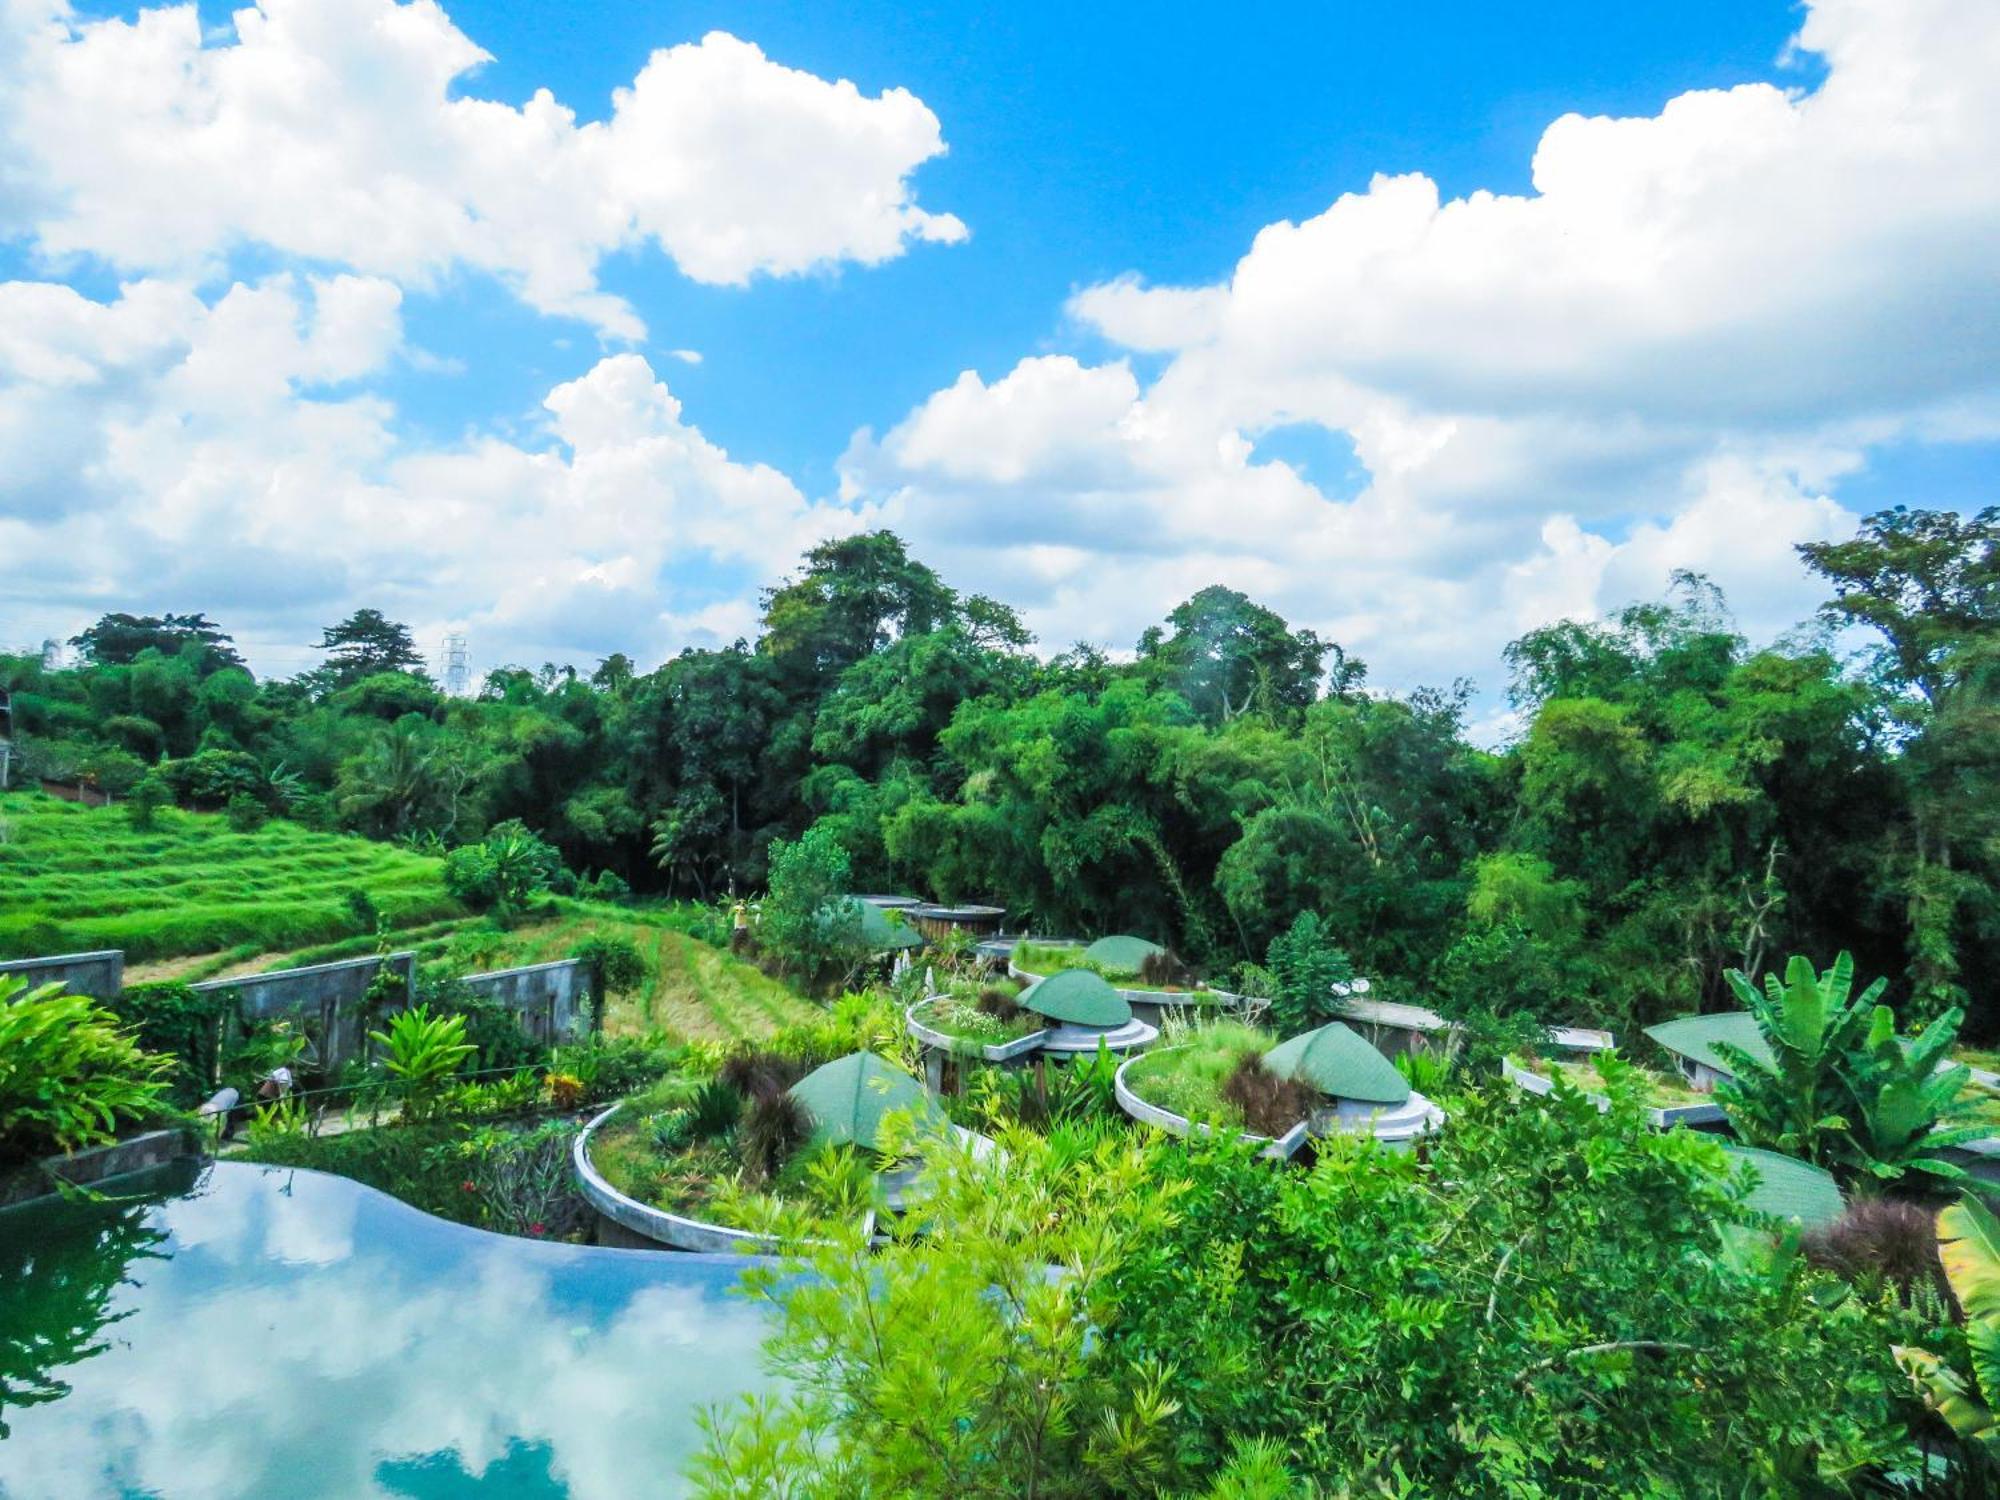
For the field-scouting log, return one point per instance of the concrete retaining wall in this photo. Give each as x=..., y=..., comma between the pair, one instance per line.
x=552, y=999
x=156, y=1148
x=100, y=975
x=329, y=1000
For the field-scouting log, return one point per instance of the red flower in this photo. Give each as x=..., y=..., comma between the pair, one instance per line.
x=467, y=1185
x=536, y=1227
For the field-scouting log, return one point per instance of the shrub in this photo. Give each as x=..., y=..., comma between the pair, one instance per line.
x=361, y=909
x=1304, y=965
x=615, y=967
x=1000, y=1005
x=246, y=813
x=69, y=1074
x=1271, y=1105
x=773, y=1128
x=804, y=922
x=1880, y=1239
x=505, y=871
x=763, y=1074
x=1166, y=970
x=425, y=1051
x=144, y=801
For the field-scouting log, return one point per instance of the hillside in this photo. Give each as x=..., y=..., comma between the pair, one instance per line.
x=194, y=900
x=75, y=878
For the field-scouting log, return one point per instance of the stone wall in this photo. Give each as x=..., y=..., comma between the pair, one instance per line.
x=99, y=975
x=552, y=999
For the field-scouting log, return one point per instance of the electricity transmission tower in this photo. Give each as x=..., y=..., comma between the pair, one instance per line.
x=457, y=675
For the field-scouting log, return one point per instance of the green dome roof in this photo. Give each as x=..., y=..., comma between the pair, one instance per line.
x=1077, y=997
x=1336, y=1061
x=1787, y=1188
x=848, y=1097
x=880, y=933
x=1123, y=953
x=1695, y=1037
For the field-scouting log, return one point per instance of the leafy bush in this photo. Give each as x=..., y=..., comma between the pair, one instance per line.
x=425, y=1052
x=804, y=921
x=1304, y=964
x=505, y=871
x=143, y=803
x=246, y=813
x=69, y=1074
x=1880, y=1240
x=615, y=968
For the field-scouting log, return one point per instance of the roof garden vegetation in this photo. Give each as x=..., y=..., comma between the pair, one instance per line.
x=1657, y=1087
x=1128, y=963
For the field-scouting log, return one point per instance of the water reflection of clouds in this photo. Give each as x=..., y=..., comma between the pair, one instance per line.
x=387, y=1337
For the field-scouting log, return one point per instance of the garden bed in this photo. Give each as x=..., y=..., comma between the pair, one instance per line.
x=1179, y=1090
x=1031, y=962
x=953, y=1024
x=1669, y=1101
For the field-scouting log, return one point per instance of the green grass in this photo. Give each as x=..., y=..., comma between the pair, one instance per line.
x=77, y=878
x=193, y=900
x=1042, y=960
x=1663, y=1090
x=959, y=1017
x=1187, y=1077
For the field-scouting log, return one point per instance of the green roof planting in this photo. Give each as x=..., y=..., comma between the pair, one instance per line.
x=1123, y=953
x=1787, y=1188
x=1694, y=1037
x=880, y=932
x=1078, y=997
x=1337, y=1061
x=848, y=1097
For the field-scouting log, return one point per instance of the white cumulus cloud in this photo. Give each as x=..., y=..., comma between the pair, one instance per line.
x=345, y=133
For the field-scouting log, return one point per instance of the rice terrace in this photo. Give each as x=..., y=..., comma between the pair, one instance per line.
x=843, y=753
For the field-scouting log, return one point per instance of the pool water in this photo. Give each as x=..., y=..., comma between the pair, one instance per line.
x=258, y=1331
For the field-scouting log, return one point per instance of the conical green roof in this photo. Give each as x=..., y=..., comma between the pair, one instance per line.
x=1078, y=997
x=848, y=1097
x=1336, y=1061
x=1124, y=954
x=879, y=932
x=1787, y=1188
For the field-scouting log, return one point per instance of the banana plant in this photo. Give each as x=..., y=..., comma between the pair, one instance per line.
x=1797, y=1102
x=1969, y=1246
x=1907, y=1106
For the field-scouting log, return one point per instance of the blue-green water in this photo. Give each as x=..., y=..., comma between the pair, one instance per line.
x=274, y=1333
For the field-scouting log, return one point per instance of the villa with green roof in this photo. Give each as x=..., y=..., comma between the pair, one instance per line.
x=1786, y=1188
x=1078, y=1009
x=1693, y=1042
x=1364, y=1090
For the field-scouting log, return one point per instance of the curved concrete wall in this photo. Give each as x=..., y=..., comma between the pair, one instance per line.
x=1278, y=1148
x=656, y=1225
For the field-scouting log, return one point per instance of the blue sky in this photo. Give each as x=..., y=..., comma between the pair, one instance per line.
x=300, y=324
x=1085, y=141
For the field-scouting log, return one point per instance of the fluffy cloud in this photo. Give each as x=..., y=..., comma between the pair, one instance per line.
x=329, y=130
x=1666, y=356
x=177, y=448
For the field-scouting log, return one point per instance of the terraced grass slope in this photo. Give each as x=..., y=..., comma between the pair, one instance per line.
x=74, y=878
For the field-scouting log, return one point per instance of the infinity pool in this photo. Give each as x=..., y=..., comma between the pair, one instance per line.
x=254, y=1331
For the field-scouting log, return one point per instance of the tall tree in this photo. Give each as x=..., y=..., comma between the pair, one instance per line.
x=1229, y=655
x=117, y=639
x=1928, y=582
x=365, y=643
x=852, y=598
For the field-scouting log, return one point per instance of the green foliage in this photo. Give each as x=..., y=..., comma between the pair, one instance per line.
x=616, y=967
x=1968, y=1237
x=803, y=921
x=959, y=1365
x=69, y=1074
x=1304, y=964
x=1843, y=1089
x=182, y=1024
x=424, y=1053
x=245, y=813
x=144, y=801
x=504, y=872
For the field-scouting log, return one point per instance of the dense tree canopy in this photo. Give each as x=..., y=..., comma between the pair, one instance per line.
x=1674, y=804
